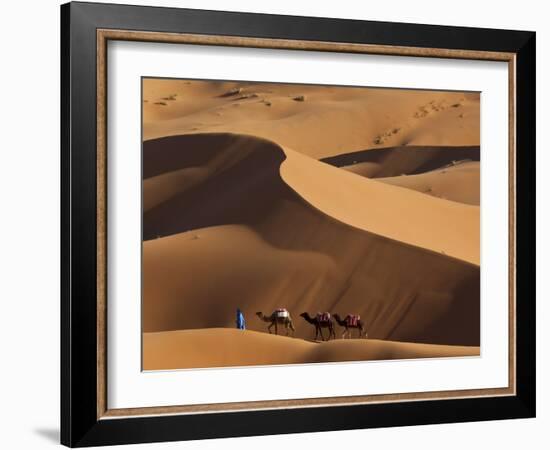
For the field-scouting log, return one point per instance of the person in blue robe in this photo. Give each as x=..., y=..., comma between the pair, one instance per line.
x=240, y=320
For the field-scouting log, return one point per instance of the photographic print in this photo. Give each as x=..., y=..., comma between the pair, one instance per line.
x=298, y=224
x=295, y=199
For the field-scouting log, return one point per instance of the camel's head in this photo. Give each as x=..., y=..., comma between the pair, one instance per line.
x=304, y=315
x=259, y=314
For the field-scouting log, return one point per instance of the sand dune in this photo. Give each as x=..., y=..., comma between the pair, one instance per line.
x=405, y=160
x=258, y=170
x=226, y=347
x=385, y=209
x=328, y=121
x=294, y=246
x=199, y=278
x=459, y=182
x=313, y=198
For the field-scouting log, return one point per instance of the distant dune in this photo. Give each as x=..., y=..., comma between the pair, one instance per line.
x=292, y=245
x=406, y=160
x=313, y=198
x=224, y=347
x=235, y=168
x=329, y=121
x=458, y=182
x=385, y=208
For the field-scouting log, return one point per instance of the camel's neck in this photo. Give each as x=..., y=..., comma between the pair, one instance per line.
x=339, y=320
x=309, y=319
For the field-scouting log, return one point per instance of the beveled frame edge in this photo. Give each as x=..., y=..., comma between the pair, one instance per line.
x=103, y=36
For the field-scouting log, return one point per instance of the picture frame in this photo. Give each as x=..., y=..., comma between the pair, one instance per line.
x=86, y=418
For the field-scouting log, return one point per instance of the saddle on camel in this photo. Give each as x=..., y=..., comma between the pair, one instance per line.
x=281, y=313
x=352, y=320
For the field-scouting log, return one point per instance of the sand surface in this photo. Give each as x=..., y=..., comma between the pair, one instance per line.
x=260, y=196
x=306, y=243
x=385, y=208
x=224, y=347
x=458, y=182
x=329, y=120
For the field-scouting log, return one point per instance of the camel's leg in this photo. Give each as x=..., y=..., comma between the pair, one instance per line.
x=362, y=331
x=321, y=333
x=269, y=327
x=276, y=328
x=344, y=334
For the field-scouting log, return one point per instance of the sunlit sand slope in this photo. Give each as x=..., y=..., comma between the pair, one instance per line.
x=318, y=121
x=259, y=226
x=224, y=347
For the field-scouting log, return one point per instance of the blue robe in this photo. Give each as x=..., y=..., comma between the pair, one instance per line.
x=240, y=320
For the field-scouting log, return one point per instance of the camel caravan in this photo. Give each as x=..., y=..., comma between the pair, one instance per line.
x=280, y=318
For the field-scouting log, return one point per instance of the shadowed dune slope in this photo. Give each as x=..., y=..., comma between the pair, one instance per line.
x=387, y=210
x=396, y=161
x=225, y=347
x=244, y=175
x=236, y=235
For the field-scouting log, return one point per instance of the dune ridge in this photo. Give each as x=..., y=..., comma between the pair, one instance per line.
x=431, y=223
x=268, y=247
x=226, y=347
x=403, y=160
x=386, y=209
x=458, y=182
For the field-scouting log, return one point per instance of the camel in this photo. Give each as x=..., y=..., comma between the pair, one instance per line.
x=348, y=323
x=319, y=322
x=276, y=319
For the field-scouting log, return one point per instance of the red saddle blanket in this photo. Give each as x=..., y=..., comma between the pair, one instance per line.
x=323, y=317
x=352, y=320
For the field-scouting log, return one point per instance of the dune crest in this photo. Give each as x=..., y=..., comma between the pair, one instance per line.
x=400, y=214
x=243, y=237
x=258, y=196
x=402, y=160
x=384, y=209
x=458, y=182
x=222, y=347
